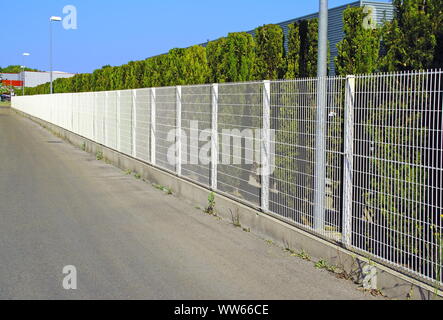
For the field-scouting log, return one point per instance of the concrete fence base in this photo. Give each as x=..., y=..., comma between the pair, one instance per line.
x=369, y=273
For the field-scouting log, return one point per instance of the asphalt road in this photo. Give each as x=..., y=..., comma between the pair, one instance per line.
x=60, y=206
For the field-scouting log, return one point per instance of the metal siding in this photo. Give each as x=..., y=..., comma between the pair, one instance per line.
x=10, y=76
x=384, y=10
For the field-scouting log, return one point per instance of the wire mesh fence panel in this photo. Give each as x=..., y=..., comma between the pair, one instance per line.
x=165, y=104
x=240, y=109
x=334, y=157
x=111, y=120
x=56, y=109
x=88, y=115
x=99, y=120
x=397, y=203
x=293, y=119
x=125, y=121
x=196, y=133
x=143, y=124
x=75, y=114
x=64, y=106
x=68, y=111
x=293, y=111
x=51, y=104
x=83, y=114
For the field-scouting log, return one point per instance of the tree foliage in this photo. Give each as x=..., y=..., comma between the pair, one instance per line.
x=302, y=49
x=270, y=52
x=15, y=69
x=410, y=39
x=309, y=48
x=238, y=60
x=293, y=54
x=359, y=50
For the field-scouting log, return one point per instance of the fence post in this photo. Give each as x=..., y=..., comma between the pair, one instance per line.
x=153, y=115
x=320, y=156
x=71, y=95
x=118, y=120
x=348, y=159
x=214, y=136
x=105, y=132
x=266, y=146
x=134, y=123
x=94, y=117
x=178, y=125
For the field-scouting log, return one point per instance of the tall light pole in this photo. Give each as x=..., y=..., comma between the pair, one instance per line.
x=320, y=143
x=323, y=40
x=51, y=19
x=25, y=54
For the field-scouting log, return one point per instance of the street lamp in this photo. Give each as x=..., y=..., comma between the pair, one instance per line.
x=320, y=149
x=51, y=19
x=25, y=54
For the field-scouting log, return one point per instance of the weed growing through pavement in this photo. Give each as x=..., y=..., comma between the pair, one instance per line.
x=210, y=209
x=99, y=155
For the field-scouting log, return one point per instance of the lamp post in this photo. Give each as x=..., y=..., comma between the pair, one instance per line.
x=51, y=19
x=320, y=144
x=25, y=54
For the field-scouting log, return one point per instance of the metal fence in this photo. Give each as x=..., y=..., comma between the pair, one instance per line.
x=256, y=142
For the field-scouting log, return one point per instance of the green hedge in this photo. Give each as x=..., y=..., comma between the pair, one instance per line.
x=359, y=51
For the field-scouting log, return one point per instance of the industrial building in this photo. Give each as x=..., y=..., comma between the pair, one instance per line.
x=10, y=79
x=31, y=78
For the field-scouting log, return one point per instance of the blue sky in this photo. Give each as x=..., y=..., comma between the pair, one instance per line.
x=114, y=31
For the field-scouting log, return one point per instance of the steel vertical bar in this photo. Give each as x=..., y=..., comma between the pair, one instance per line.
x=153, y=126
x=348, y=160
x=50, y=57
x=214, y=137
x=106, y=121
x=178, y=131
x=266, y=146
x=320, y=157
x=94, y=116
x=134, y=123
x=118, y=121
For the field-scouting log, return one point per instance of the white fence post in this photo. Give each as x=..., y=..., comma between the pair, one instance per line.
x=320, y=155
x=94, y=116
x=348, y=159
x=178, y=125
x=71, y=95
x=153, y=112
x=118, y=120
x=105, y=137
x=214, y=136
x=266, y=146
x=134, y=123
